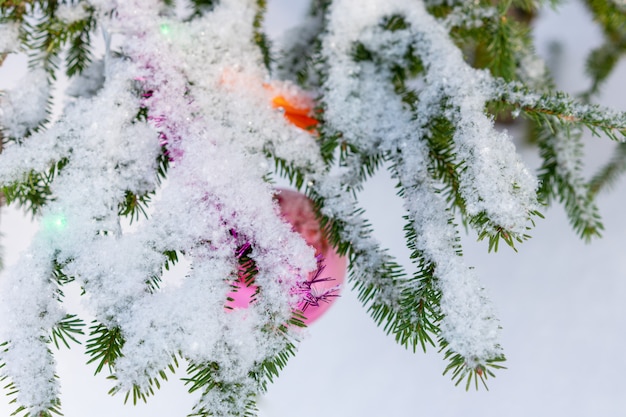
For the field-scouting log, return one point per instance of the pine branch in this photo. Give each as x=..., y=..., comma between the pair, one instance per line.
x=560, y=107
x=135, y=205
x=16, y=10
x=202, y=6
x=444, y=165
x=223, y=396
x=428, y=291
x=224, y=399
x=561, y=177
x=33, y=192
x=285, y=169
x=68, y=328
x=443, y=129
x=296, y=59
x=104, y=347
x=47, y=38
x=494, y=233
x=79, y=54
x=420, y=302
x=259, y=36
x=601, y=62
x=52, y=408
x=460, y=370
x=153, y=384
x=610, y=173
x=374, y=276
x=378, y=279
x=493, y=36
x=358, y=165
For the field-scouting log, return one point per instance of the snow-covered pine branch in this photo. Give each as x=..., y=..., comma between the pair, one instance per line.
x=179, y=120
x=360, y=102
x=200, y=91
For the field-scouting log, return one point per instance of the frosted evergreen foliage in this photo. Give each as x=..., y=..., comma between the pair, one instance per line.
x=24, y=108
x=88, y=82
x=173, y=130
x=109, y=149
x=360, y=103
x=70, y=13
x=9, y=37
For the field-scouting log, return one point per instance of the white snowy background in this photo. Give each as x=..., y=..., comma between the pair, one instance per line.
x=561, y=303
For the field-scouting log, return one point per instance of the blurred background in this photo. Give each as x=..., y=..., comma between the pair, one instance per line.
x=561, y=302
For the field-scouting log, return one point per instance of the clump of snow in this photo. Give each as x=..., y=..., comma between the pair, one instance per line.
x=468, y=17
x=9, y=37
x=29, y=308
x=88, y=82
x=25, y=107
x=70, y=13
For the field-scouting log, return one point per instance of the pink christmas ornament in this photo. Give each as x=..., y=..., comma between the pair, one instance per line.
x=322, y=285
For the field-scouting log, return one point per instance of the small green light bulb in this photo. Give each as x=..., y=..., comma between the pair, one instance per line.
x=56, y=222
x=165, y=29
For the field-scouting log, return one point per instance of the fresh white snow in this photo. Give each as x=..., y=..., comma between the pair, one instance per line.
x=558, y=300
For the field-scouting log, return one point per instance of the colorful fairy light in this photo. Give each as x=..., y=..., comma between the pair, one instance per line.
x=165, y=29
x=55, y=222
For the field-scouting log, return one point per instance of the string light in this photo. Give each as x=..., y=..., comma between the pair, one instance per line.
x=55, y=222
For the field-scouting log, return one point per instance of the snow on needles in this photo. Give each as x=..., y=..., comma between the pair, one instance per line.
x=204, y=100
x=9, y=37
x=361, y=104
x=24, y=108
x=72, y=13
x=193, y=93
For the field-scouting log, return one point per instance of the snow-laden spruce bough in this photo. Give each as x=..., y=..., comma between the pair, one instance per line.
x=179, y=107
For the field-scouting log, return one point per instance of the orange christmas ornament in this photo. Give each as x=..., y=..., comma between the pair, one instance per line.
x=298, y=113
x=296, y=104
